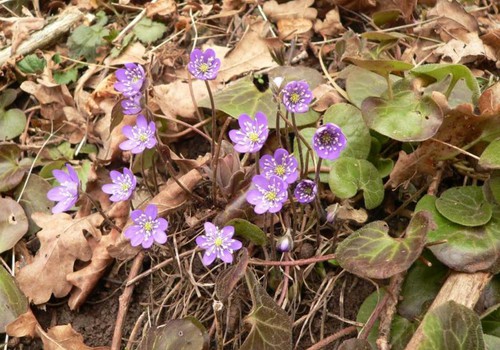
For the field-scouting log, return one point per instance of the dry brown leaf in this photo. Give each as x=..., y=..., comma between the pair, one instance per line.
x=326, y=96
x=174, y=99
x=111, y=141
x=491, y=42
x=62, y=242
x=289, y=27
x=23, y=326
x=331, y=26
x=465, y=51
x=291, y=9
x=65, y=337
x=161, y=7
x=132, y=54
x=22, y=28
x=489, y=102
x=357, y=5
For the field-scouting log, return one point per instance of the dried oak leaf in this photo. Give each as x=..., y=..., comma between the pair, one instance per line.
x=162, y=8
x=462, y=51
x=62, y=242
x=331, y=26
x=489, y=101
x=293, y=17
x=24, y=325
x=21, y=29
x=65, y=337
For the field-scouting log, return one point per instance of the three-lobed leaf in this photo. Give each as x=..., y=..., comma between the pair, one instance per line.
x=149, y=31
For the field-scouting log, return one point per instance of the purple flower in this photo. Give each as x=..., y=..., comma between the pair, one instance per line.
x=147, y=228
x=306, y=191
x=67, y=193
x=132, y=104
x=297, y=96
x=329, y=141
x=130, y=79
x=218, y=243
x=283, y=165
x=285, y=243
x=122, y=187
x=140, y=136
x=267, y=194
x=252, y=135
x=203, y=65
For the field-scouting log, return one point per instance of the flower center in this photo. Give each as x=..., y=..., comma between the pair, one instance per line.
x=125, y=186
x=326, y=138
x=280, y=170
x=203, y=67
x=270, y=196
x=253, y=136
x=218, y=242
x=148, y=226
x=307, y=190
x=143, y=137
x=295, y=97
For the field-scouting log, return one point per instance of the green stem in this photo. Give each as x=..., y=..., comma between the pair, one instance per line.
x=214, y=121
x=389, y=86
x=299, y=144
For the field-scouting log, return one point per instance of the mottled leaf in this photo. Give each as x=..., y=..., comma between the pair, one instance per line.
x=348, y=175
x=12, y=121
x=11, y=169
x=85, y=41
x=467, y=249
x=371, y=253
x=465, y=206
x=451, y=326
x=490, y=158
x=12, y=302
x=405, y=118
x=184, y=334
x=229, y=278
x=247, y=230
x=13, y=223
x=457, y=72
x=32, y=64
x=271, y=325
x=149, y=31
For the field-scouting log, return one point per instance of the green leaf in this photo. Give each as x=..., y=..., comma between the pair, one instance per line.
x=149, y=31
x=383, y=17
x=32, y=64
x=465, y=206
x=490, y=158
x=184, y=334
x=348, y=175
x=11, y=170
x=13, y=303
x=229, y=278
x=62, y=151
x=13, y=223
x=440, y=71
x=247, y=230
x=492, y=187
x=491, y=342
x=65, y=77
x=371, y=253
x=355, y=344
x=7, y=97
x=353, y=126
x=421, y=285
x=404, y=118
x=381, y=67
x=491, y=323
x=34, y=199
x=467, y=249
x=12, y=123
x=451, y=326
x=271, y=325
x=244, y=97
x=84, y=41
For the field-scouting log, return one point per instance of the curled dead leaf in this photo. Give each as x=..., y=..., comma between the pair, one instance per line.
x=290, y=9
x=331, y=25
x=162, y=8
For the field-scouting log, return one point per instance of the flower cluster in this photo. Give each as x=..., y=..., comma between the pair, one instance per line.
x=129, y=82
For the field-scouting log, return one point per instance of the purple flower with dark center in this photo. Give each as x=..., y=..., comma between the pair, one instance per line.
x=140, y=136
x=130, y=79
x=147, y=228
x=218, y=243
x=297, y=96
x=306, y=191
x=267, y=194
x=67, y=193
x=283, y=165
x=132, y=104
x=203, y=65
x=122, y=187
x=252, y=135
x=329, y=141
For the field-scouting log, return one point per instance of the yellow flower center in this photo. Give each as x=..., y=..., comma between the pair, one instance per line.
x=295, y=97
x=270, y=196
x=253, y=136
x=280, y=170
x=148, y=226
x=203, y=67
x=218, y=242
x=143, y=137
x=125, y=186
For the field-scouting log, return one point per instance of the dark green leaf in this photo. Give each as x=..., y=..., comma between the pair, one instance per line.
x=371, y=253
x=149, y=31
x=32, y=64
x=381, y=67
x=348, y=175
x=247, y=230
x=12, y=301
x=66, y=77
x=12, y=123
x=491, y=323
x=465, y=206
x=13, y=223
x=271, y=325
x=490, y=158
x=84, y=41
x=185, y=334
x=451, y=326
x=7, y=97
x=11, y=169
x=383, y=17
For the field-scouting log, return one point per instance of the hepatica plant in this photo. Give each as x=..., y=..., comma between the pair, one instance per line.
x=130, y=81
x=67, y=193
x=282, y=164
x=218, y=243
x=329, y=141
x=140, y=136
x=252, y=133
x=122, y=187
x=203, y=65
x=147, y=228
x=297, y=96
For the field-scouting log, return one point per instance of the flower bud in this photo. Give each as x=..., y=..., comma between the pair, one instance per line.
x=285, y=242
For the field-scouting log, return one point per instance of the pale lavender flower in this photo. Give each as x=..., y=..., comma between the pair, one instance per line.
x=218, y=243
x=130, y=79
x=203, y=65
x=140, y=136
x=306, y=191
x=132, y=104
x=284, y=243
x=297, y=96
x=147, y=228
x=122, y=187
x=267, y=194
x=67, y=193
x=283, y=165
x=252, y=135
x=329, y=141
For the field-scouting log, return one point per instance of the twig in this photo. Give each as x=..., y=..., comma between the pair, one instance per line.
x=313, y=260
x=330, y=339
x=124, y=301
x=131, y=25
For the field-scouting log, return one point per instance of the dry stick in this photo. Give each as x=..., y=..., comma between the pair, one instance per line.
x=330, y=339
x=124, y=301
x=313, y=260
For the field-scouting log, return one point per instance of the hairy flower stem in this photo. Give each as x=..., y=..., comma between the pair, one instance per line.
x=99, y=209
x=214, y=121
x=215, y=159
x=257, y=159
x=299, y=144
x=319, y=209
x=309, y=261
